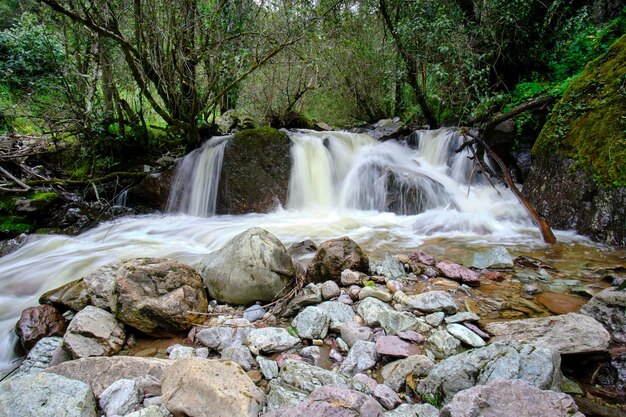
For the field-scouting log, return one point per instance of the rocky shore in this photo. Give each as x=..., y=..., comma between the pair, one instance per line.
x=320, y=331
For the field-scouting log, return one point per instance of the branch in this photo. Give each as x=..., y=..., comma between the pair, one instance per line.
x=501, y=117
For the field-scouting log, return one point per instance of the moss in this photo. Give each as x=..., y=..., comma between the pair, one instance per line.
x=46, y=196
x=14, y=225
x=260, y=136
x=588, y=124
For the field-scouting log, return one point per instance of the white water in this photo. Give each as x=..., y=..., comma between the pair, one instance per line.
x=339, y=190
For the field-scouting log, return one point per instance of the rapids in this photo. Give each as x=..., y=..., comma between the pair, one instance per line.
x=386, y=196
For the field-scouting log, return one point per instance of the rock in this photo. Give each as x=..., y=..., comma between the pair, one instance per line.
x=352, y=332
x=394, y=286
x=228, y=121
x=334, y=256
x=386, y=129
x=363, y=383
x=389, y=267
x=413, y=410
x=281, y=395
x=205, y=387
x=221, y=337
x=310, y=295
x=100, y=372
x=507, y=398
x=361, y=357
x=495, y=258
x=157, y=296
x=465, y=335
x=459, y=273
x=532, y=289
x=394, y=374
x=435, y=319
x=339, y=313
x=311, y=354
x=411, y=336
x=371, y=309
x=180, y=352
x=394, y=346
x=253, y=266
x=477, y=330
x=41, y=355
x=305, y=377
x=382, y=294
x=150, y=411
x=386, y=396
x=423, y=258
x=345, y=299
x=240, y=355
x=461, y=317
x=94, y=332
x=269, y=368
x=153, y=191
x=312, y=323
x=332, y=401
x=71, y=295
x=350, y=277
x=35, y=323
x=395, y=322
x=353, y=292
x=428, y=302
x=254, y=313
x=569, y=333
x=121, y=397
x=271, y=339
x=330, y=290
x=609, y=308
x=442, y=344
x=538, y=366
x=100, y=285
x=46, y=395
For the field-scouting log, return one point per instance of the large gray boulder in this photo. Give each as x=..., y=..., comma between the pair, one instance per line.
x=508, y=398
x=46, y=395
x=210, y=388
x=159, y=296
x=568, y=333
x=100, y=284
x=333, y=257
x=94, y=332
x=609, y=308
x=253, y=266
x=539, y=366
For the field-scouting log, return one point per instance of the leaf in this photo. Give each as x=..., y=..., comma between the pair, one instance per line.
x=411, y=382
x=369, y=283
x=292, y=331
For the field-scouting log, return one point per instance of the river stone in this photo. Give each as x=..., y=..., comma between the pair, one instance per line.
x=159, y=296
x=363, y=383
x=311, y=294
x=150, y=411
x=41, y=355
x=352, y=332
x=94, y=332
x=121, y=397
x=465, y=335
x=253, y=266
x=350, y=277
x=428, y=302
x=332, y=401
x=100, y=372
x=539, y=366
x=382, y=294
x=389, y=267
x=394, y=374
x=240, y=355
x=414, y=410
x=269, y=367
x=339, y=313
x=253, y=313
x=569, y=333
x=371, y=309
x=281, y=395
x=69, y=296
x=461, y=317
x=333, y=256
x=435, y=319
x=394, y=322
x=330, y=290
x=221, y=337
x=46, y=395
x=494, y=258
x=394, y=346
x=210, y=388
x=271, y=339
x=100, y=284
x=35, y=323
x=312, y=323
x=609, y=308
x=386, y=396
x=507, y=398
x=442, y=344
x=459, y=273
x=361, y=357
x=305, y=377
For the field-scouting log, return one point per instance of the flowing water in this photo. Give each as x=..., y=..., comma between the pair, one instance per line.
x=386, y=196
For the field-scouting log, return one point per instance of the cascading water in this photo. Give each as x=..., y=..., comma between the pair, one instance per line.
x=384, y=195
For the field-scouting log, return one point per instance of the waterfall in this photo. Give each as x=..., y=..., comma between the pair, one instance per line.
x=121, y=199
x=194, y=189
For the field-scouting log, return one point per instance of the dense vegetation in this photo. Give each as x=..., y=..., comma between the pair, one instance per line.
x=118, y=78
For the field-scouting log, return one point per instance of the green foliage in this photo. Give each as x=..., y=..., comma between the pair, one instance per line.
x=369, y=283
x=263, y=134
x=292, y=331
x=433, y=399
x=14, y=225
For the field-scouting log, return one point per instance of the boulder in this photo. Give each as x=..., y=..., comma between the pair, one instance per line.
x=69, y=296
x=389, y=267
x=371, y=309
x=35, y=323
x=312, y=323
x=46, y=395
x=159, y=296
x=120, y=398
x=101, y=372
x=339, y=313
x=361, y=357
x=253, y=266
x=271, y=339
x=539, y=366
x=94, y=332
x=609, y=308
x=459, y=273
x=305, y=377
x=152, y=192
x=568, y=333
x=332, y=401
x=394, y=322
x=428, y=302
x=507, y=398
x=211, y=388
x=413, y=410
x=494, y=258
x=394, y=346
x=240, y=355
x=221, y=337
x=394, y=374
x=100, y=284
x=333, y=256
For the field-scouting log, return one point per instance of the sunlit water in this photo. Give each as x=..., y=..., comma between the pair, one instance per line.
x=341, y=185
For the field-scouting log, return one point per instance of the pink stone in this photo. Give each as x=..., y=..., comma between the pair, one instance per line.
x=411, y=336
x=459, y=273
x=423, y=258
x=394, y=346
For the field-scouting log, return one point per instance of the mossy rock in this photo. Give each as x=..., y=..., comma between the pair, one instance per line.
x=11, y=226
x=588, y=124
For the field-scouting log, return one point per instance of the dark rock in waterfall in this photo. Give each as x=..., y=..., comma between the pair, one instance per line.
x=255, y=172
x=333, y=257
x=152, y=192
x=39, y=322
x=385, y=129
